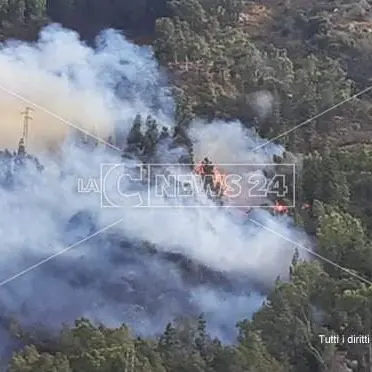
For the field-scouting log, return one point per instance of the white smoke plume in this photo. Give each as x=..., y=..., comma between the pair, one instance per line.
x=111, y=277
x=229, y=142
x=232, y=148
x=77, y=83
x=262, y=102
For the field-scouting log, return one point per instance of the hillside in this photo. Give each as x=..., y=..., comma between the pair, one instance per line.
x=261, y=82
x=338, y=30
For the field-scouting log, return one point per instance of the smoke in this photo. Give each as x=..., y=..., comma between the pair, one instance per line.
x=230, y=143
x=262, y=103
x=61, y=75
x=199, y=259
x=232, y=148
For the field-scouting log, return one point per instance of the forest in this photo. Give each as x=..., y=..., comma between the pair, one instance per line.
x=309, y=56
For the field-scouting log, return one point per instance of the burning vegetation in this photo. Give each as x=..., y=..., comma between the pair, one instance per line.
x=213, y=180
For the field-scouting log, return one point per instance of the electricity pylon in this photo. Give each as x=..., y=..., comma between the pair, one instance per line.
x=26, y=121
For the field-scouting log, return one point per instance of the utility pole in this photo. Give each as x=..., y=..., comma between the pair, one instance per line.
x=133, y=361
x=26, y=121
x=130, y=360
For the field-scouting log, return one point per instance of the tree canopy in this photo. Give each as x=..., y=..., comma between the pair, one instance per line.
x=306, y=57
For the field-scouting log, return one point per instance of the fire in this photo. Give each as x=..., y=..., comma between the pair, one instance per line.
x=280, y=208
x=199, y=169
x=219, y=182
x=218, y=178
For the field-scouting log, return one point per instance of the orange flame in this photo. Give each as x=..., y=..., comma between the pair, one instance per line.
x=219, y=179
x=199, y=169
x=280, y=208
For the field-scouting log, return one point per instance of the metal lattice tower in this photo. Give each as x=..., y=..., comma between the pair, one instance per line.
x=132, y=364
x=26, y=121
x=130, y=360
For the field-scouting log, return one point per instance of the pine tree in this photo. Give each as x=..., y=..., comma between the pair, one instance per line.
x=201, y=339
x=135, y=137
x=164, y=134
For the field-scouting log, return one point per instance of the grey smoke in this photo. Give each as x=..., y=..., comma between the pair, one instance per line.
x=112, y=278
x=262, y=102
x=80, y=84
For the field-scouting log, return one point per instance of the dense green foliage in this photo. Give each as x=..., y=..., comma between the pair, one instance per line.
x=23, y=18
x=308, y=58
